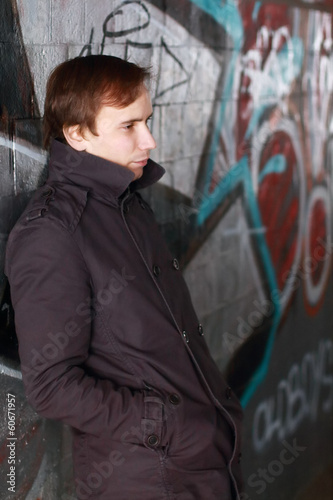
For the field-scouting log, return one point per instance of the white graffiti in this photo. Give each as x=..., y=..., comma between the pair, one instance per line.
x=260, y=141
x=29, y=150
x=318, y=83
x=10, y=372
x=319, y=196
x=267, y=79
x=306, y=391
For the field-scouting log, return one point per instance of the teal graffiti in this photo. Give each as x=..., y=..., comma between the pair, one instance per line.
x=275, y=165
x=226, y=15
x=255, y=12
x=240, y=174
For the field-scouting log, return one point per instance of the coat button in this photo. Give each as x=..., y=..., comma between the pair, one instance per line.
x=175, y=264
x=174, y=399
x=239, y=458
x=185, y=335
x=126, y=209
x=153, y=440
x=200, y=329
x=48, y=192
x=228, y=392
x=156, y=270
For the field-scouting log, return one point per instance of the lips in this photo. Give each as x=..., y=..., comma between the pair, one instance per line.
x=141, y=163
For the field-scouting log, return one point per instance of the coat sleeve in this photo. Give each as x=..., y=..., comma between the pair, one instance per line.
x=49, y=284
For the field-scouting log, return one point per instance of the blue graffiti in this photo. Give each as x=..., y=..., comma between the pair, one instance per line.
x=240, y=175
x=255, y=12
x=284, y=69
x=226, y=15
x=276, y=165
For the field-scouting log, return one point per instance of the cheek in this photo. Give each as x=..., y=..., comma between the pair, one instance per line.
x=108, y=143
x=125, y=143
x=98, y=141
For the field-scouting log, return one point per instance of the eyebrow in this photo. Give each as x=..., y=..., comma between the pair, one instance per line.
x=132, y=120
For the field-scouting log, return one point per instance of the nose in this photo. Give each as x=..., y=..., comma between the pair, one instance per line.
x=147, y=141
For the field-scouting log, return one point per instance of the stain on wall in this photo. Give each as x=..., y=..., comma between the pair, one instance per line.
x=243, y=118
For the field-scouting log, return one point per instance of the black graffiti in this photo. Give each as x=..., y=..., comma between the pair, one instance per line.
x=179, y=63
x=144, y=46
x=109, y=33
x=119, y=11
x=17, y=95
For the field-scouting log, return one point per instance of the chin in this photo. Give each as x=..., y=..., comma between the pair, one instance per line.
x=138, y=175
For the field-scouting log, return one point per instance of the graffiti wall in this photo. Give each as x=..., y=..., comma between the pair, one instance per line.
x=243, y=117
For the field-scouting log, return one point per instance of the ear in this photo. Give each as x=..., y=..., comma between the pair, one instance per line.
x=74, y=137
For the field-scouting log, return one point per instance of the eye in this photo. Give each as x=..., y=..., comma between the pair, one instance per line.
x=128, y=126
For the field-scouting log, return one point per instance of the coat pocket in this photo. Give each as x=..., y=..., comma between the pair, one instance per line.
x=156, y=422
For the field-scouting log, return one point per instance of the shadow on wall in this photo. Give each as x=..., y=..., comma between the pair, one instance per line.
x=19, y=120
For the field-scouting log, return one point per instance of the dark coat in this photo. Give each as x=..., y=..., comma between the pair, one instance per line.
x=109, y=341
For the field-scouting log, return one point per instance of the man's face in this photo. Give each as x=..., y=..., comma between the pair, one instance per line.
x=123, y=134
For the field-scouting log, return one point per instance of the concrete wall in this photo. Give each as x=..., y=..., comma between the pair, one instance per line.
x=243, y=102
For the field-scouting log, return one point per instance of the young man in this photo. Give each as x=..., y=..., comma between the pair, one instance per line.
x=108, y=338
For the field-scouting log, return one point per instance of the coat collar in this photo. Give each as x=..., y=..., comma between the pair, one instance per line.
x=101, y=177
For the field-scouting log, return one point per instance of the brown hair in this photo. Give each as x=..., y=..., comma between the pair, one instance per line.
x=78, y=88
